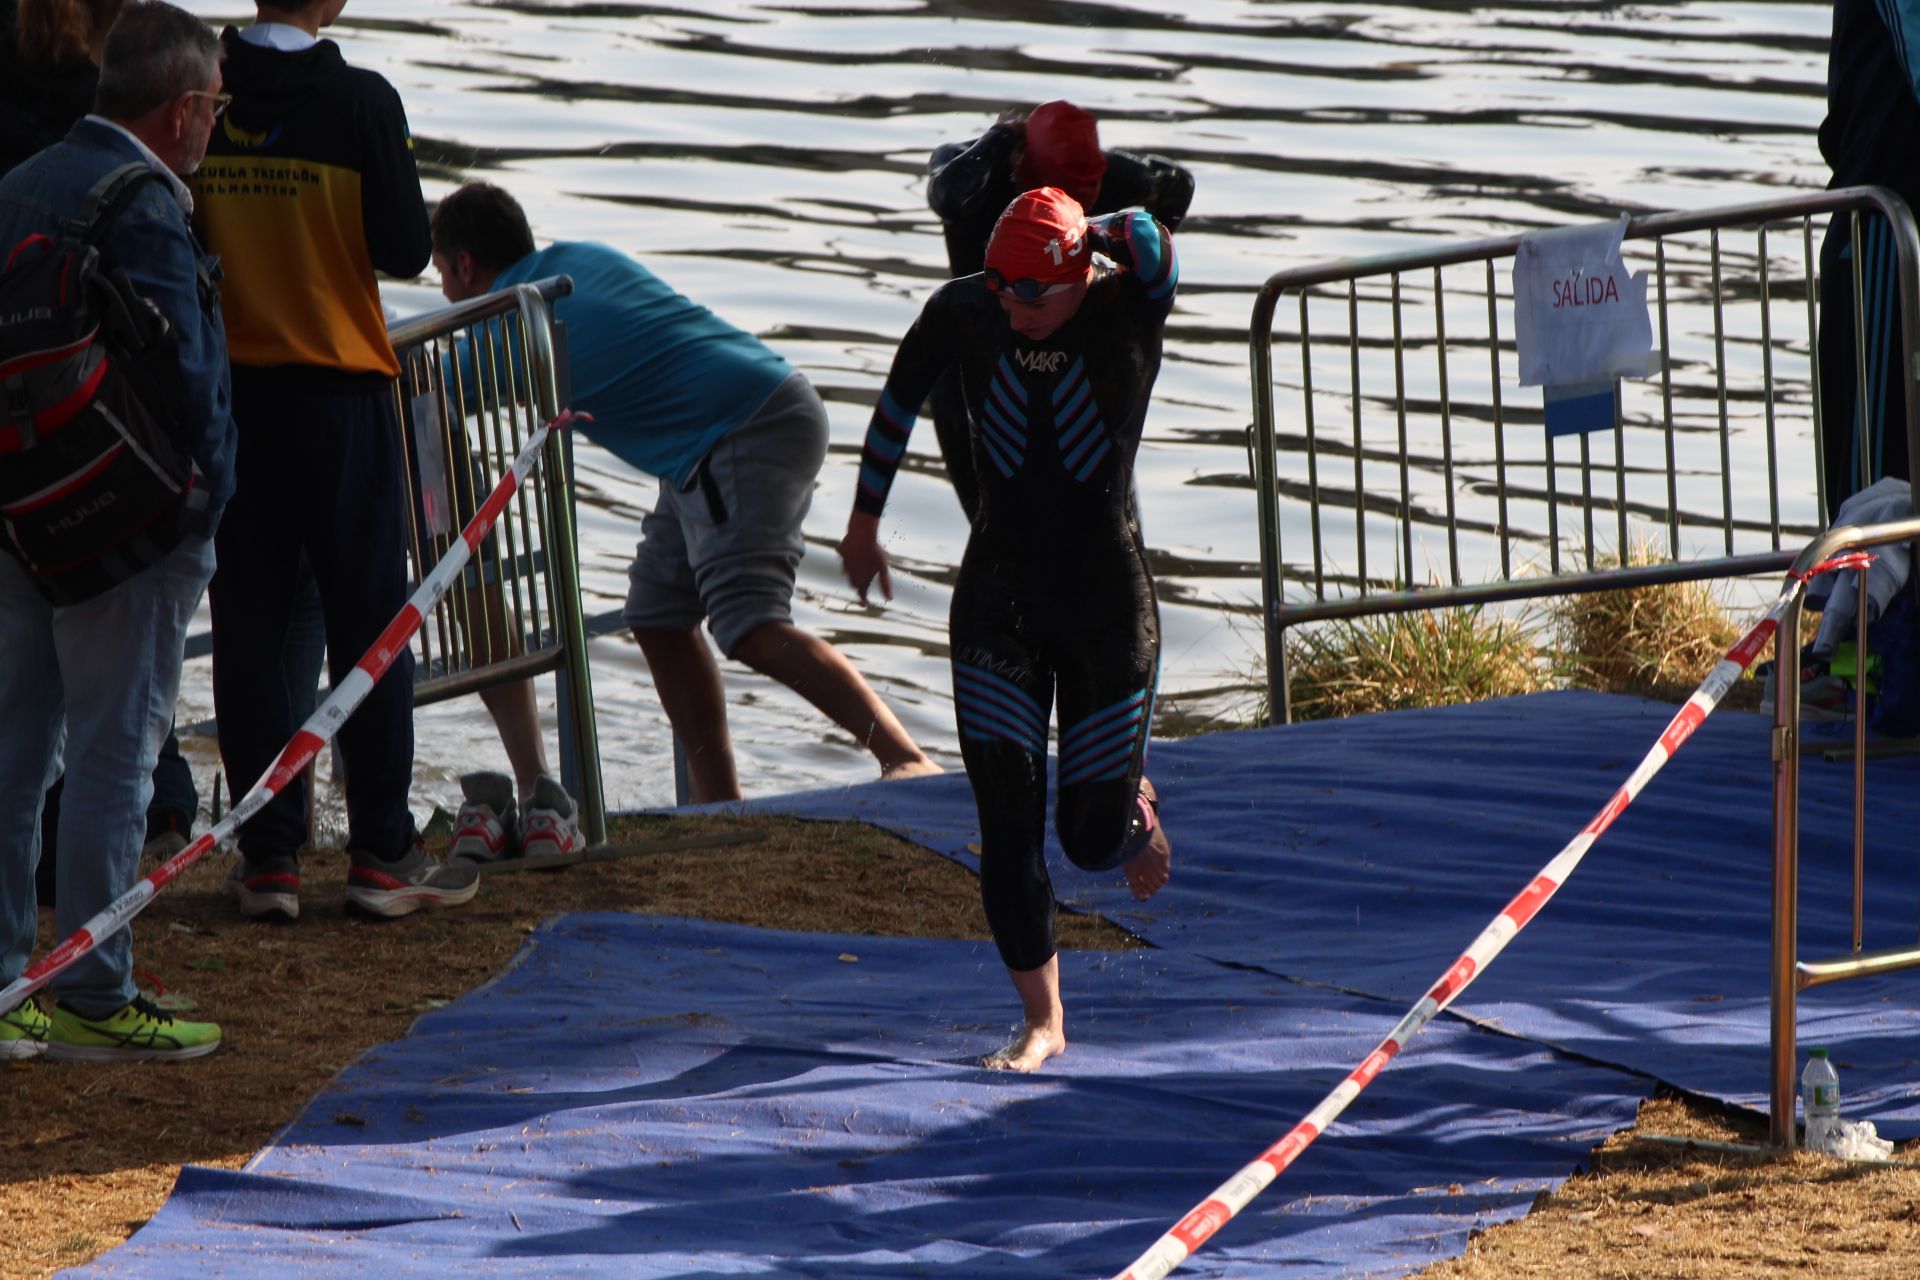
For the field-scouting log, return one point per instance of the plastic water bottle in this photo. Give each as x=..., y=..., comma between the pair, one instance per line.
x=1819, y=1096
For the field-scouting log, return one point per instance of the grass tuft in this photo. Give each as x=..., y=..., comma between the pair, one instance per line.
x=1433, y=658
x=1653, y=642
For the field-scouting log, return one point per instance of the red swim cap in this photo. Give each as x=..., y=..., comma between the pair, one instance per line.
x=1063, y=150
x=1041, y=236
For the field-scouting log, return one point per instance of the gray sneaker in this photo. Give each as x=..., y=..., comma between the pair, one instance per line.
x=552, y=822
x=266, y=890
x=488, y=828
x=403, y=886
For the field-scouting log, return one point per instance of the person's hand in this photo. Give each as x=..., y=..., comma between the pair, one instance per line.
x=862, y=558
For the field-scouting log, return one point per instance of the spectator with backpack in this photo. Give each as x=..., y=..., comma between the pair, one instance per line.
x=116, y=461
x=49, y=68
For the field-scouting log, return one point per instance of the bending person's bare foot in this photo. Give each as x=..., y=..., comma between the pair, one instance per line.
x=1027, y=1050
x=1149, y=870
x=920, y=768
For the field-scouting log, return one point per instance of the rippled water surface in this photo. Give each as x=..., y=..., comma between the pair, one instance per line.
x=767, y=159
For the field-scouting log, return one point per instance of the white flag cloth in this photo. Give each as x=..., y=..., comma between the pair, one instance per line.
x=1578, y=315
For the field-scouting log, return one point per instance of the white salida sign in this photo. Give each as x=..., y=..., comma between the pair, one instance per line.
x=1579, y=316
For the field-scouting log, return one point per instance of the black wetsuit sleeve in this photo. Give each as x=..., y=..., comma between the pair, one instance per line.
x=392, y=208
x=1137, y=242
x=1154, y=183
x=923, y=355
x=968, y=184
x=958, y=183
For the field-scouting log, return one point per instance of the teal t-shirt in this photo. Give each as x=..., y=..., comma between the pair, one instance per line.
x=663, y=377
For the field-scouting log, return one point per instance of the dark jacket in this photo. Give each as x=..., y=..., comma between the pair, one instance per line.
x=39, y=101
x=1872, y=130
x=308, y=188
x=153, y=244
x=970, y=183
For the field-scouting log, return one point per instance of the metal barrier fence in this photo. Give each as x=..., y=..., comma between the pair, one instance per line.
x=1792, y=975
x=1410, y=353
x=516, y=612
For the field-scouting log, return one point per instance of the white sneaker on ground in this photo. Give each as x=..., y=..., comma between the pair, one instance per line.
x=267, y=890
x=487, y=828
x=551, y=824
x=417, y=880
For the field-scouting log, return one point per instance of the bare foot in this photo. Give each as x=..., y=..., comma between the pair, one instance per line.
x=1149, y=870
x=1033, y=1046
x=921, y=768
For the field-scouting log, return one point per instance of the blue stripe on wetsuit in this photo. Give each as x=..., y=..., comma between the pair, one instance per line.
x=1154, y=260
x=992, y=708
x=1100, y=747
x=886, y=441
x=1076, y=420
x=1003, y=419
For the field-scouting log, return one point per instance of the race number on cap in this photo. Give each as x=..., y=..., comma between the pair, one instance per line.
x=1041, y=236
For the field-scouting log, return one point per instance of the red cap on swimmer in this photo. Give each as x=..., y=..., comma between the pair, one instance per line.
x=1063, y=150
x=1041, y=236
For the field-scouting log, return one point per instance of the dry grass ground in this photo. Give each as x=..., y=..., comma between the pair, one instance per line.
x=88, y=1152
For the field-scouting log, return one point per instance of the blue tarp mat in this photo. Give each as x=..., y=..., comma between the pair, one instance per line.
x=1366, y=853
x=648, y=1097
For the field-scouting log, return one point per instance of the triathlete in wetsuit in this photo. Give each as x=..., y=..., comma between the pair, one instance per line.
x=1056, y=361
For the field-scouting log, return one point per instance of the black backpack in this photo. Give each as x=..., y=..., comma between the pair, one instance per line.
x=97, y=481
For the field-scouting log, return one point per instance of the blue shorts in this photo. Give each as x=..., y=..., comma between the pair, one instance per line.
x=726, y=548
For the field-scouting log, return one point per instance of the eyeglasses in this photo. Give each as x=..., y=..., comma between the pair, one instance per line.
x=221, y=101
x=1025, y=290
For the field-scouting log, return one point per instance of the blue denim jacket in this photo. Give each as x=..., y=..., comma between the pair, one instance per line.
x=153, y=243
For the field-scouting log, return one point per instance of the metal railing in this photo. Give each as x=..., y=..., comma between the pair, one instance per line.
x=516, y=612
x=1431, y=455
x=1792, y=975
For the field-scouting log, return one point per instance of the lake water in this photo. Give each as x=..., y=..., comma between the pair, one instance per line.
x=767, y=159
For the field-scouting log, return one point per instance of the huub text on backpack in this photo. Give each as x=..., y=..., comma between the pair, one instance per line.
x=96, y=479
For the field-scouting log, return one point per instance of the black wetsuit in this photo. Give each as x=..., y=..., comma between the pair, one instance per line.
x=968, y=185
x=1053, y=598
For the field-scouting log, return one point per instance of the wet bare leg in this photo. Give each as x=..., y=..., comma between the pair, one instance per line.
x=1149, y=870
x=823, y=676
x=1044, y=1034
x=687, y=677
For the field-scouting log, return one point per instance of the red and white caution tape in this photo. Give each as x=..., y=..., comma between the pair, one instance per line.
x=316, y=733
x=1233, y=1195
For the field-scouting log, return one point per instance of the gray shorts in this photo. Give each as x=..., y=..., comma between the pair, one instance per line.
x=727, y=548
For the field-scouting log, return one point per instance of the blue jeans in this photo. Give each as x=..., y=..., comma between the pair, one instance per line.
x=95, y=683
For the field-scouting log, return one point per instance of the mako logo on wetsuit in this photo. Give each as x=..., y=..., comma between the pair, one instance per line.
x=1040, y=361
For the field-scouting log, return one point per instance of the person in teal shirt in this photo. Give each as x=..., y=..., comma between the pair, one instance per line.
x=736, y=438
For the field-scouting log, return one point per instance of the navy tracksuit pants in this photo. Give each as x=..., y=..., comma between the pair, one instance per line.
x=319, y=470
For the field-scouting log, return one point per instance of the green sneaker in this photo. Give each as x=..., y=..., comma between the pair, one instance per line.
x=139, y=1032
x=23, y=1032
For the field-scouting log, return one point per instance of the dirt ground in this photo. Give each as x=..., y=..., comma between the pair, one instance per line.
x=89, y=1152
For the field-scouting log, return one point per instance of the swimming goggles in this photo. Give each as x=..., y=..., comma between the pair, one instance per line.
x=1025, y=290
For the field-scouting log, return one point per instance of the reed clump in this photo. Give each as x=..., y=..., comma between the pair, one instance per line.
x=1653, y=642
x=1430, y=658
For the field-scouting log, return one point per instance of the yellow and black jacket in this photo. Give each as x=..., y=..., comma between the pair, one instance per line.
x=308, y=188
